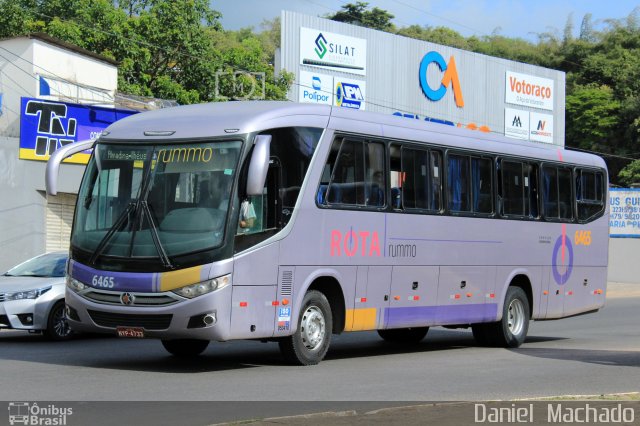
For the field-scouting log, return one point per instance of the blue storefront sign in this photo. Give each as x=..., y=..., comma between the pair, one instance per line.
x=47, y=125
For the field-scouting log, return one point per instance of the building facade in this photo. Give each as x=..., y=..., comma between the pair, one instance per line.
x=355, y=67
x=51, y=93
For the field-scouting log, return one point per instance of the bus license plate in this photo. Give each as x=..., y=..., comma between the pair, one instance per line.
x=130, y=332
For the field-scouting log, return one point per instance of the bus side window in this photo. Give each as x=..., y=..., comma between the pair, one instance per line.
x=458, y=183
x=481, y=170
x=512, y=188
x=557, y=193
x=564, y=194
x=531, y=186
x=357, y=177
x=589, y=194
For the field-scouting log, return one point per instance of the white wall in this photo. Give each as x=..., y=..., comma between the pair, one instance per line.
x=16, y=80
x=624, y=260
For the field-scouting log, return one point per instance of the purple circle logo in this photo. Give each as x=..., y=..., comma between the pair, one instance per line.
x=562, y=270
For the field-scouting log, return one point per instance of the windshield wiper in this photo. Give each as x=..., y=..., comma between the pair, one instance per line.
x=120, y=222
x=155, y=237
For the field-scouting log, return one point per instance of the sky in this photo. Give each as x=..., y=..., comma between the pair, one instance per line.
x=523, y=19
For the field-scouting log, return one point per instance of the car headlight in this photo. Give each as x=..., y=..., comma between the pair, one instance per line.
x=75, y=285
x=204, y=287
x=30, y=294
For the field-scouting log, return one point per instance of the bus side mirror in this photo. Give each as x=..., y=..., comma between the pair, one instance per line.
x=259, y=165
x=53, y=165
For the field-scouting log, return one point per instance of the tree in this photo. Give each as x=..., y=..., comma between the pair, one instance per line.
x=357, y=14
x=592, y=114
x=630, y=174
x=165, y=48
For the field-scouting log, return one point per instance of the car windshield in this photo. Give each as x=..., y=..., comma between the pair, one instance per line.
x=155, y=201
x=46, y=265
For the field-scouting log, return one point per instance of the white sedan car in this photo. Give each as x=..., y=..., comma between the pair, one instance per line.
x=32, y=296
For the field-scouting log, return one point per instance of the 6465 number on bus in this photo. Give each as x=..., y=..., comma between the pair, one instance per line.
x=103, y=282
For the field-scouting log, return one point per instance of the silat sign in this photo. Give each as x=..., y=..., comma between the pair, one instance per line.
x=46, y=126
x=333, y=51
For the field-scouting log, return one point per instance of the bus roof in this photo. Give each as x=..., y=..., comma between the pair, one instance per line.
x=200, y=121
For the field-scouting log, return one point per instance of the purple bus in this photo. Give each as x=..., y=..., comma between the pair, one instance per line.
x=289, y=223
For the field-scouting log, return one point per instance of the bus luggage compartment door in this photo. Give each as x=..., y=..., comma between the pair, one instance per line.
x=252, y=311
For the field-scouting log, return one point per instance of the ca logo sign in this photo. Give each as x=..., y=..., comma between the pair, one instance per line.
x=450, y=78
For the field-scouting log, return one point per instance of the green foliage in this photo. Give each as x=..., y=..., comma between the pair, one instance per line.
x=357, y=14
x=595, y=112
x=173, y=49
x=630, y=174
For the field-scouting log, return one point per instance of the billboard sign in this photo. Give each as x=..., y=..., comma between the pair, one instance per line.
x=516, y=123
x=333, y=51
x=349, y=93
x=529, y=90
x=624, y=214
x=541, y=127
x=316, y=88
x=46, y=126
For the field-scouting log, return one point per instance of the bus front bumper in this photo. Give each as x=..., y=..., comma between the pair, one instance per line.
x=184, y=319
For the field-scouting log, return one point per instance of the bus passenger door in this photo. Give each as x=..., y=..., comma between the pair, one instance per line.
x=413, y=296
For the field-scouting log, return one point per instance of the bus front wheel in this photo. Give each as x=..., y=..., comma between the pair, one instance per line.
x=310, y=343
x=511, y=330
x=185, y=347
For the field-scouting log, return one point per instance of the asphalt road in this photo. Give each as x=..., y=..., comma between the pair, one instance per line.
x=586, y=355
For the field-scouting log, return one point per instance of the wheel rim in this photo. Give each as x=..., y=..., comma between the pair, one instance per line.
x=312, y=328
x=60, y=325
x=515, y=319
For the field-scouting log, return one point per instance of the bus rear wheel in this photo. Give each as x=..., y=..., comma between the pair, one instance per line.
x=185, y=347
x=404, y=335
x=310, y=343
x=511, y=330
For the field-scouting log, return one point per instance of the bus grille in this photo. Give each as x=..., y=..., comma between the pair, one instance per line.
x=140, y=299
x=149, y=322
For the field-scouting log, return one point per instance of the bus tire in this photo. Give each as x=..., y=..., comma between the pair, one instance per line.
x=185, y=347
x=57, y=325
x=511, y=330
x=404, y=335
x=310, y=343
x=482, y=335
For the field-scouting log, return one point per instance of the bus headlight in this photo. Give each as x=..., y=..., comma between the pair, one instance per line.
x=204, y=287
x=75, y=285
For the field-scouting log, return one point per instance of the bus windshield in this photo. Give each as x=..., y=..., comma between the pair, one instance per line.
x=155, y=200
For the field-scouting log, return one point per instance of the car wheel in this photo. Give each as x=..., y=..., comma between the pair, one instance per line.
x=57, y=325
